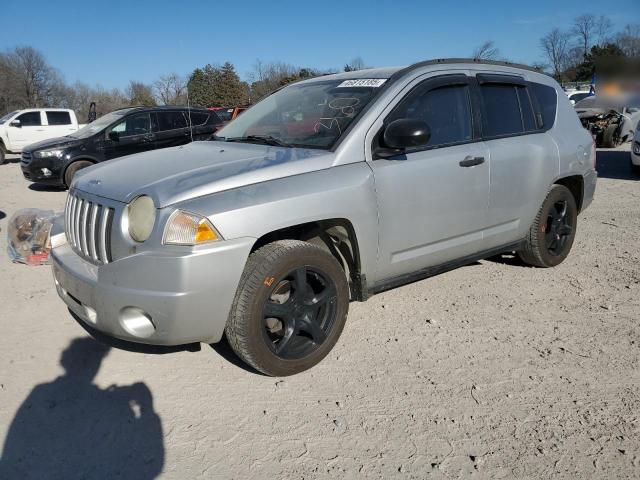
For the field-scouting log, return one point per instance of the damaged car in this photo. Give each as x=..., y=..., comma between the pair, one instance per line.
x=611, y=120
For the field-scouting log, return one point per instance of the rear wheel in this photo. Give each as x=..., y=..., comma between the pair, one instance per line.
x=290, y=308
x=609, y=139
x=552, y=233
x=73, y=168
x=3, y=154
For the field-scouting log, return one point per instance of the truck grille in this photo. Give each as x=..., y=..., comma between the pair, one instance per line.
x=88, y=228
x=26, y=158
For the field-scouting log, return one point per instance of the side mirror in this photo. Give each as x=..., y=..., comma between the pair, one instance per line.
x=115, y=136
x=402, y=134
x=16, y=123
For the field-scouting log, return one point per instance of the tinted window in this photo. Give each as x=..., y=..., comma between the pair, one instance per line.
x=171, y=121
x=446, y=110
x=30, y=119
x=198, y=118
x=547, y=100
x=59, y=118
x=225, y=114
x=138, y=124
x=525, y=108
x=501, y=112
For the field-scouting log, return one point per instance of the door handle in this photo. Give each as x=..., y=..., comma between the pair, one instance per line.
x=471, y=161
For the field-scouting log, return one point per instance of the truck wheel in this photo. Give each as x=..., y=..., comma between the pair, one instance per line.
x=290, y=308
x=3, y=154
x=73, y=168
x=608, y=136
x=552, y=233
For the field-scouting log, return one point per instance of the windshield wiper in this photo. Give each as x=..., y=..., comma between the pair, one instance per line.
x=266, y=139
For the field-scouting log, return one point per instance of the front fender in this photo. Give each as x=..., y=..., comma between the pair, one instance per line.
x=344, y=192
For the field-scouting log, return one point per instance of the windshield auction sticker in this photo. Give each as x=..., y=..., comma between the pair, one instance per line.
x=363, y=82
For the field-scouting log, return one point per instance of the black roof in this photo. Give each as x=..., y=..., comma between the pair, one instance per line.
x=161, y=108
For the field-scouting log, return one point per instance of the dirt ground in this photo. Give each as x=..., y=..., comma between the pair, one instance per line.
x=494, y=370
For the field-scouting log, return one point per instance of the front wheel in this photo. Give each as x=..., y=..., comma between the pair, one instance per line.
x=552, y=233
x=290, y=308
x=3, y=154
x=73, y=168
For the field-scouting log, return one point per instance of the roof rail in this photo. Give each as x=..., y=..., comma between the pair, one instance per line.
x=478, y=61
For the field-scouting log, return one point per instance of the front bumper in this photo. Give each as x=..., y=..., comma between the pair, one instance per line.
x=186, y=296
x=33, y=169
x=590, y=180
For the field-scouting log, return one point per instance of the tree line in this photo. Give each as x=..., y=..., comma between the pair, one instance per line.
x=27, y=80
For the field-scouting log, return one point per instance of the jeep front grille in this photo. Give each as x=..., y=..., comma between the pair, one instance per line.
x=88, y=228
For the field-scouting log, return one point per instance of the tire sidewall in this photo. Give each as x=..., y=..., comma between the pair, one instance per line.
x=558, y=193
x=71, y=170
x=266, y=360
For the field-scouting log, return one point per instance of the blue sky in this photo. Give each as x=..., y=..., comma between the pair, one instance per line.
x=109, y=43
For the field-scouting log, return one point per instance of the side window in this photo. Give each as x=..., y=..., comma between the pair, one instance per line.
x=528, y=118
x=58, y=118
x=138, y=124
x=445, y=109
x=198, y=118
x=30, y=119
x=546, y=98
x=501, y=109
x=171, y=121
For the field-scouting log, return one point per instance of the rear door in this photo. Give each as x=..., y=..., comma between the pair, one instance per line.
x=524, y=158
x=173, y=128
x=59, y=123
x=134, y=134
x=433, y=201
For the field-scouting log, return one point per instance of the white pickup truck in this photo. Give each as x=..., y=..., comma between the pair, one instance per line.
x=24, y=127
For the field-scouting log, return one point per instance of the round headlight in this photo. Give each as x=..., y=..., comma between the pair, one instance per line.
x=141, y=215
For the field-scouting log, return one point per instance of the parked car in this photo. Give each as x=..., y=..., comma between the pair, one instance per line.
x=575, y=97
x=612, y=120
x=228, y=114
x=119, y=133
x=23, y=127
x=327, y=191
x=635, y=151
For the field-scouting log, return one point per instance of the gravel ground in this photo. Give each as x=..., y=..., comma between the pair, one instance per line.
x=494, y=370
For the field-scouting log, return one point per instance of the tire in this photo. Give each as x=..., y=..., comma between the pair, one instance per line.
x=608, y=136
x=635, y=168
x=553, y=231
x=73, y=168
x=3, y=154
x=268, y=309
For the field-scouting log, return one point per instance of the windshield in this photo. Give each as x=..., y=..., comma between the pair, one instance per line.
x=312, y=115
x=8, y=116
x=99, y=124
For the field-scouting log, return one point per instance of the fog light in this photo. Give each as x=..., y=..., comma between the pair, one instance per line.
x=46, y=172
x=136, y=322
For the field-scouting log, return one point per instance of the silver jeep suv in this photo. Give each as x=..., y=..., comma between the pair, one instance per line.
x=325, y=192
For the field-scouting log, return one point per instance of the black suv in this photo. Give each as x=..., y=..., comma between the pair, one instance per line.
x=122, y=132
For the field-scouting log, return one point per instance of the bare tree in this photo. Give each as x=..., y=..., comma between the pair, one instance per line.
x=267, y=77
x=603, y=29
x=629, y=40
x=587, y=28
x=355, y=64
x=487, y=51
x=140, y=94
x=555, y=46
x=27, y=78
x=171, y=89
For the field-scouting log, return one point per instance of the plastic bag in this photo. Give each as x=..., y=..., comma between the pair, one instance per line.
x=28, y=237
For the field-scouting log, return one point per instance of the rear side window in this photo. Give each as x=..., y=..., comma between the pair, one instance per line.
x=198, y=118
x=526, y=109
x=445, y=109
x=58, y=118
x=30, y=119
x=547, y=100
x=171, y=121
x=501, y=109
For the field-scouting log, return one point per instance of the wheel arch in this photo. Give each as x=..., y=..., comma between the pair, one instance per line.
x=337, y=236
x=75, y=160
x=575, y=184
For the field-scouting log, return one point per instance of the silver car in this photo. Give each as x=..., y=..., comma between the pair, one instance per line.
x=328, y=191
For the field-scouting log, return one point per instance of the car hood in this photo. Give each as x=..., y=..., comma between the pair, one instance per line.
x=172, y=175
x=59, y=142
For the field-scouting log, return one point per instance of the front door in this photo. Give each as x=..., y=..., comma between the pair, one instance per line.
x=30, y=130
x=134, y=134
x=433, y=202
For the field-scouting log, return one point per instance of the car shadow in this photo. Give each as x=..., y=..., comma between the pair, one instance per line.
x=2, y=215
x=72, y=428
x=41, y=187
x=223, y=349
x=615, y=164
x=507, y=259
